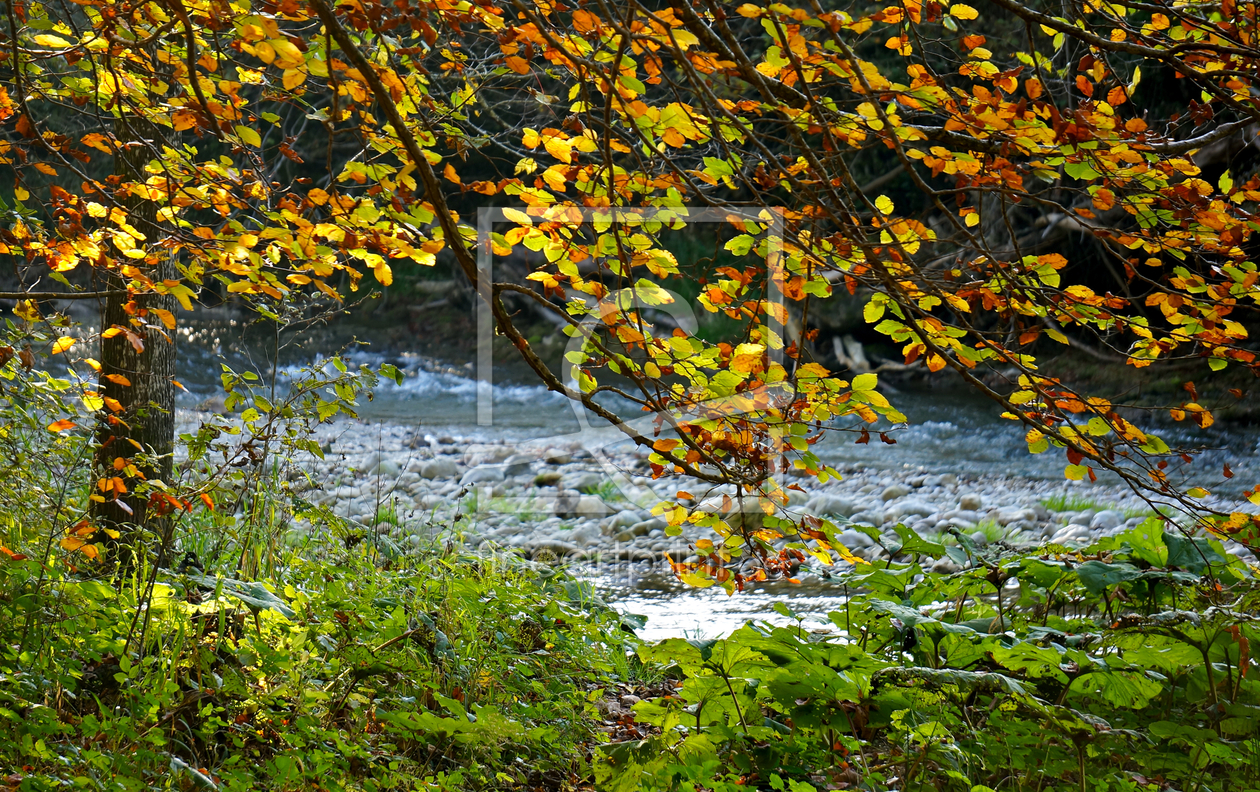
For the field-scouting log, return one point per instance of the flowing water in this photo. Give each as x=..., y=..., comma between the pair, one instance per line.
x=951, y=430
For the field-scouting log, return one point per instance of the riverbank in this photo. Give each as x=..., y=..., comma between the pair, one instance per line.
x=587, y=499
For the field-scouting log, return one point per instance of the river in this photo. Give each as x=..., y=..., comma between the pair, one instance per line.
x=951, y=430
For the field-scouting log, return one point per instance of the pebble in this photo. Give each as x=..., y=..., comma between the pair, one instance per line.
x=894, y=491
x=972, y=501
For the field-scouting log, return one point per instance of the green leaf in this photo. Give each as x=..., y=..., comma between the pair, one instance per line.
x=253, y=593
x=1118, y=688
x=1097, y=576
x=248, y=135
x=741, y=244
x=865, y=382
x=1080, y=170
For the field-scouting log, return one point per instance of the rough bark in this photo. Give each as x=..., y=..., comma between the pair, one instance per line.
x=142, y=432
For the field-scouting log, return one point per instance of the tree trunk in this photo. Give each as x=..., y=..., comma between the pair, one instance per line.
x=139, y=428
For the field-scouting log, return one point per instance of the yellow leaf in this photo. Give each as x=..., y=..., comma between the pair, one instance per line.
x=530, y=139
x=288, y=56
x=249, y=136
x=884, y=204
x=516, y=216
x=560, y=149
x=1075, y=472
x=63, y=343
x=963, y=11
x=292, y=78
x=47, y=40
x=166, y=316
x=383, y=273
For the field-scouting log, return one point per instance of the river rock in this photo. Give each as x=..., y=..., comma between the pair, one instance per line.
x=517, y=465
x=591, y=507
x=830, y=504
x=855, y=539
x=1011, y=515
x=971, y=501
x=415, y=465
x=485, y=474
x=894, y=491
x=622, y=519
x=647, y=526
x=477, y=455
x=869, y=517
x=584, y=481
x=557, y=456
x=584, y=536
x=439, y=468
x=550, y=550
x=1106, y=520
x=678, y=552
x=566, y=503
x=911, y=507
x=1070, y=532
x=547, y=478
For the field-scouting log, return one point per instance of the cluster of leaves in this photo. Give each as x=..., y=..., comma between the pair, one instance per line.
x=1010, y=130
x=1124, y=665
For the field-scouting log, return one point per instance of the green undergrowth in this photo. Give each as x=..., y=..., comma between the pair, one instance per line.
x=343, y=660
x=449, y=672
x=1122, y=666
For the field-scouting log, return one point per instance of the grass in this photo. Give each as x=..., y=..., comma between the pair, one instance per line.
x=1070, y=503
x=438, y=670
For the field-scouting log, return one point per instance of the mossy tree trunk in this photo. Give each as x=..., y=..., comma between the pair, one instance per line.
x=136, y=427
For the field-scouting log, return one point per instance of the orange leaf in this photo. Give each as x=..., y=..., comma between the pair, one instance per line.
x=61, y=426
x=63, y=343
x=118, y=379
x=166, y=316
x=665, y=445
x=518, y=64
x=206, y=499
